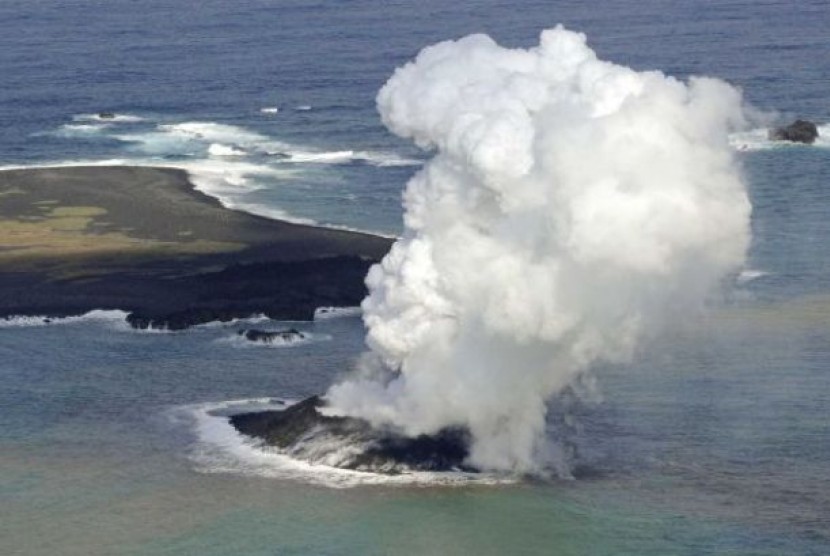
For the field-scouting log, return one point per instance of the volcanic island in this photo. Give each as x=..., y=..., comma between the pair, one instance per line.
x=145, y=241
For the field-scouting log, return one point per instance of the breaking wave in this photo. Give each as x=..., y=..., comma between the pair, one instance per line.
x=758, y=140
x=115, y=317
x=324, y=313
x=218, y=149
x=347, y=157
x=304, y=338
x=79, y=130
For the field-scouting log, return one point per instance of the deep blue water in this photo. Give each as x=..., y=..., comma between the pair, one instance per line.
x=714, y=441
x=219, y=62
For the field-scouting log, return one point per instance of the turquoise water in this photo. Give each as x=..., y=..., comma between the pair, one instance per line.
x=713, y=441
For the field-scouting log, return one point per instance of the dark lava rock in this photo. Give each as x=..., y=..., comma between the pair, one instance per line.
x=304, y=433
x=800, y=131
x=278, y=290
x=269, y=337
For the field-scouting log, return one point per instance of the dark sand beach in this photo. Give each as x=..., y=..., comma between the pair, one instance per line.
x=143, y=240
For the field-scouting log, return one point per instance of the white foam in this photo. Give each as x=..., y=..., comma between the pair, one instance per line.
x=225, y=179
x=269, y=110
x=348, y=156
x=749, y=274
x=214, y=324
x=324, y=313
x=195, y=138
x=302, y=108
x=69, y=164
x=758, y=140
x=160, y=143
x=273, y=213
x=211, y=132
x=331, y=157
x=98, y=315
x=219, y=448
x=305, y=338
x=382, y=159
x=258, y=318
x=79, y=130
x=218, y=149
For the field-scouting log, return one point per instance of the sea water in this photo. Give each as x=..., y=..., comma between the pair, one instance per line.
x=714, y=440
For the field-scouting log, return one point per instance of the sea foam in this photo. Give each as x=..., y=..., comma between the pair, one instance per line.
x=758, y=140
x=239, y=341
x=324, y=313
x=114, y=317
x=219, y=448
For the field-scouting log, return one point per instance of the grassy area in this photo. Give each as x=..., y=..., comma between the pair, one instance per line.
x=150, y=221
x=60, y=232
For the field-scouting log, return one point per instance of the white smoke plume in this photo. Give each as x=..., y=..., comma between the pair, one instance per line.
x=571, y=206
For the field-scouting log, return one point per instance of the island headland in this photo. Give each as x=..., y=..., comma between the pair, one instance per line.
x=145, y=241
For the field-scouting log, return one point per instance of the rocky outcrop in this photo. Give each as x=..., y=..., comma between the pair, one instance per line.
x=278, y=290
x=287, y=336
x=800, y=131
x=304, y=433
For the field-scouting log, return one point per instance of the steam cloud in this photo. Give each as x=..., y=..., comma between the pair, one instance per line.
x=571, y=206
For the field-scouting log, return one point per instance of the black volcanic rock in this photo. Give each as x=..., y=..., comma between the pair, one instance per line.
x=271, y=336
x=800, y=131
x=304, y=433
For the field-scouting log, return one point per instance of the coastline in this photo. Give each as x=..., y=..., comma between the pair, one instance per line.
x=146, y=241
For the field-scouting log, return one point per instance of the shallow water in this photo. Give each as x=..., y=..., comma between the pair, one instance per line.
x=714, y=440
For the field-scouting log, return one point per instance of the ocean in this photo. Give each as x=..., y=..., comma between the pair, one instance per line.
x=713, y=440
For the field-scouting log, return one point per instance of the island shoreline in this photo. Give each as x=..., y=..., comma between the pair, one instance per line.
x=147, y=241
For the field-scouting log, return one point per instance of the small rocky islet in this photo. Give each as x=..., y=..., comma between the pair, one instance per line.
x=304, y=432
x=800, y=131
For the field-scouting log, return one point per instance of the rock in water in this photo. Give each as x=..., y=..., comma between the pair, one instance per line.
x=302, y=432
x=269, y=337
x=800, y=131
